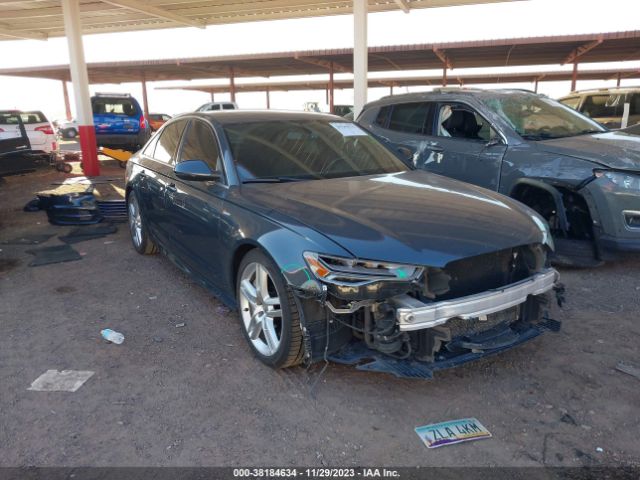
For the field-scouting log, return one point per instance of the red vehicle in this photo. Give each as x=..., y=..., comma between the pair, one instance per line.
x=156, y=120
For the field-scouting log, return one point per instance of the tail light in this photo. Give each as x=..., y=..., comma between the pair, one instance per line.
x=46, y=129
x=143, y=122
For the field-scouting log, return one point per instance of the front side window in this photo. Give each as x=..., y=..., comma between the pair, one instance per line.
x=535, y=117
x=606, y=105
x=460, y=121
x=200, y=144
x=308, y=149
x=168, y=142
x=409, y=117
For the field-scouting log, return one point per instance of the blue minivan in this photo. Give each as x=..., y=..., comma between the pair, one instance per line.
x=119, y=121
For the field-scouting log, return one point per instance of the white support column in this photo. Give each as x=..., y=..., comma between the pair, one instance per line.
x=80, y=81
x=360, y=55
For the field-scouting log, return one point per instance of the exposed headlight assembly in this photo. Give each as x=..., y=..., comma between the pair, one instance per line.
x=349, y=271
x=627, y=181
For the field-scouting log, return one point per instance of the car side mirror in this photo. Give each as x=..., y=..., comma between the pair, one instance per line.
x=196, y=170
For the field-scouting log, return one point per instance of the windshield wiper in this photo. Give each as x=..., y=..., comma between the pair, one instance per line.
x=588, y=131
x=274, y=180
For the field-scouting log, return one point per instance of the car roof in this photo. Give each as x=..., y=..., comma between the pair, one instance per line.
x=603, y=90
x=444, y=93
x=228, y=117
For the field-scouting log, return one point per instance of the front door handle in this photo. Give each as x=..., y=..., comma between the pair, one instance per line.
x=172, y=188
x=434, y=147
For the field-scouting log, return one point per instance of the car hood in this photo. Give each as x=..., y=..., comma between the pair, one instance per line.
x=614, y=149
x=409, y=217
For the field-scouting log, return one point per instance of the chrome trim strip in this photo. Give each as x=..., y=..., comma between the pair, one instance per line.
x=412, y=314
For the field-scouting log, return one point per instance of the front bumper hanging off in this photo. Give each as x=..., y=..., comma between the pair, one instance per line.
x=412, y=314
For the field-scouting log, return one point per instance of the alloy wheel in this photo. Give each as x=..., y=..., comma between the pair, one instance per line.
x=260, y=309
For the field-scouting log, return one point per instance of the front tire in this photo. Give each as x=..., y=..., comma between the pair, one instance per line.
x=137, y=227
x=269, y=314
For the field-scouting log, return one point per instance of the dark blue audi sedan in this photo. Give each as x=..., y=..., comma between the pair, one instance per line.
x=330, y=247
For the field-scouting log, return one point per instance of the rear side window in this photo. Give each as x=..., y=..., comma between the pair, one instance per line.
x=200, y=144
x=409, y=117
x=114, y=106
x=29, y=118
x=168, y=142
x=151, y=146
x=228, y=106
x=383, y=116
x=634, y=100
x=571, y=102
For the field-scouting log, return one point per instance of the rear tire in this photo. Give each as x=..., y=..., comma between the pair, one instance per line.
x=268, y=312
x=137, y=227
x=71, y=133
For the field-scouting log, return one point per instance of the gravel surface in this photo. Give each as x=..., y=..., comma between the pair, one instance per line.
x=193, y=395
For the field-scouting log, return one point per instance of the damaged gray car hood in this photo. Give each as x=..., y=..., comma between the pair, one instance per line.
x=614, y=149
x=410, y=217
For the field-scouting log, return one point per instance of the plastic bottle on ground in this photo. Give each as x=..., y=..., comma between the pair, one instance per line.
x=112, y=336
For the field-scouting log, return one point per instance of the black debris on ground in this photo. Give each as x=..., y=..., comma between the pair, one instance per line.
x=55, y=254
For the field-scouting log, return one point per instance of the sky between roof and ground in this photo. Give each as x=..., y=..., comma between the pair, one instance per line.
x=475, y=22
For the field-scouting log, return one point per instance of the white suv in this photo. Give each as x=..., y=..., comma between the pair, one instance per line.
x=214, y=106
x=39, y=130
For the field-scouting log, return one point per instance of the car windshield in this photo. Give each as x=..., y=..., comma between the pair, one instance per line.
x=539, y=118
x=309, y=149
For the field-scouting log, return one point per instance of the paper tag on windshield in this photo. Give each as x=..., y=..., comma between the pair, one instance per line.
x=348, y=129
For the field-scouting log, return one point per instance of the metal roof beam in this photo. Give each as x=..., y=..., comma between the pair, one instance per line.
x=581, y=50
x=140, y=7
x=323, y=63
x=404, y=5
x=6, y=30
x=443, y=57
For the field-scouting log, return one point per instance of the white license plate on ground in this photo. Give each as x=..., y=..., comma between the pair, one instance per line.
x=455, y=431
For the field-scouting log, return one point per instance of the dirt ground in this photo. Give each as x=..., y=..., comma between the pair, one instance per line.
x=195, y=396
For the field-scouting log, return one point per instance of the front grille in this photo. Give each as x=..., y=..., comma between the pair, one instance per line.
x=114, y=210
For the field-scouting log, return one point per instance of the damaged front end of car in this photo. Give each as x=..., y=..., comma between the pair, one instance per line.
x=411, y=320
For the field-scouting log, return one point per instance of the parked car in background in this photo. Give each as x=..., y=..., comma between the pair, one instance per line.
x=119, y=121
x=42, y=138
x=331, y=247
x=612, y=107
x=343, y=110
x=68, y=128
x=583, y=179
x=156, y=120
x=215, y=106
x=15, y=150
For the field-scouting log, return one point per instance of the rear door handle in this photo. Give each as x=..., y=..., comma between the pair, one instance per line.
x=434, y=147
x=172, y=188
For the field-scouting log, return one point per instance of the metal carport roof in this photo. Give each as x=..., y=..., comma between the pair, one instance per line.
x=424, y=80
x=41, y=19
x=596, y=47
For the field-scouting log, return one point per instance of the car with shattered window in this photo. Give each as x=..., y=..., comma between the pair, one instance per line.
x=583, y=179
x=330, y=247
